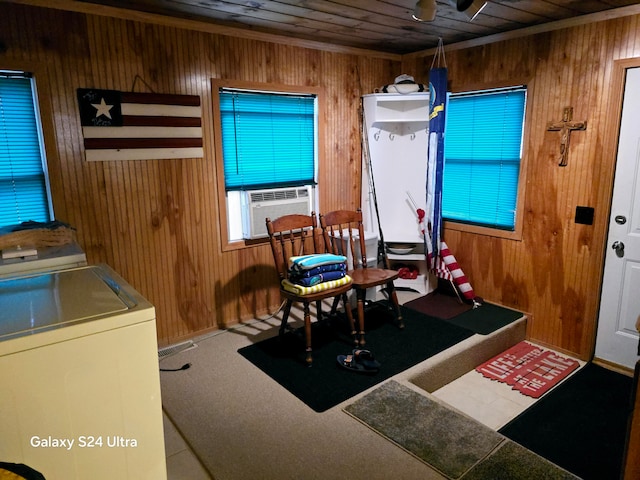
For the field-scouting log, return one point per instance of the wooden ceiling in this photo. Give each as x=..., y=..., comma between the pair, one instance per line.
x=380, y=25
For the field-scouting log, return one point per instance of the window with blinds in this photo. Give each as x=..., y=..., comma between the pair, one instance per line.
x=483, y=150
x=23, y=180
x=268, y=139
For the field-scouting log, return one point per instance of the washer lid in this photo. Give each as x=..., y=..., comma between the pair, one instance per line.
x=34, y=303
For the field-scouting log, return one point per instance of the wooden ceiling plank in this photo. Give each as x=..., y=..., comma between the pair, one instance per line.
x=371, y=36
x=363, y=21
x=376, y=25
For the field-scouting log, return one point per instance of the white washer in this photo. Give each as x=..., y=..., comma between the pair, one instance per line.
x=79, y=374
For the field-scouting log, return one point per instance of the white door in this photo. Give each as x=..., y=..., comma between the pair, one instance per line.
x=617, y=339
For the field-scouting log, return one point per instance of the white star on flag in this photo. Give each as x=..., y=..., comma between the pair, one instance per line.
x=102, y=108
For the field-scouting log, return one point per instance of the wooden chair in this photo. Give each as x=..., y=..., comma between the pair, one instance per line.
x=294, y=235
x=344, y=232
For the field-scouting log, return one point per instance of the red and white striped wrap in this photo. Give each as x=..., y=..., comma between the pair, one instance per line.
x=447, y=268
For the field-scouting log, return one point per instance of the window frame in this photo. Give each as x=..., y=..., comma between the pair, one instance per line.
x=222, y=207
x=516, y=233
x=45, y=118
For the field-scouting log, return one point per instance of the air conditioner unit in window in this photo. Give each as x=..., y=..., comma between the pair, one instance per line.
x=257, y=205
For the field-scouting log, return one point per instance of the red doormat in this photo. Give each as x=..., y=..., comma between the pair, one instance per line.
x=529, y=369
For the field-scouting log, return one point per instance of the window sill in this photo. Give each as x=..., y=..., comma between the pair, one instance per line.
x=231, y=245
x=486, y=231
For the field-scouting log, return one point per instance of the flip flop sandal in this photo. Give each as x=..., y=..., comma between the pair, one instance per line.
x=365, y=358
x=349, y=362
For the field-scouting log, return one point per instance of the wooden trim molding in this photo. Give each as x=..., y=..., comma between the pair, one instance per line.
x=612, y=131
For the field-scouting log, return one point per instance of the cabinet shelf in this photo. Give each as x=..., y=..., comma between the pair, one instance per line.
x=418, y=260
x=382, y=121
x=406, y=257
x=397, y=108
x=418, y=284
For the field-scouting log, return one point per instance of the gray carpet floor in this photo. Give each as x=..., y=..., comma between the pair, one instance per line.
x=241, y=424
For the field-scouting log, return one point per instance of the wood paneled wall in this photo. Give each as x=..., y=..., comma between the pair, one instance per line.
x=156, y=222
x=555, y=271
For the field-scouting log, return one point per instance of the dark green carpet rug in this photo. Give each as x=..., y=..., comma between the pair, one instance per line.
x=453, y=444
x=485, y=319
x=580, y=425
x=326, y=384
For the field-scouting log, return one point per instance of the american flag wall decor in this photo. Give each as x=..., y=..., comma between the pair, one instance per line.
x=139, y=126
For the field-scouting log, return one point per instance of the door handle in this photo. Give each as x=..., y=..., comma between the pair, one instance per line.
x=619, y=248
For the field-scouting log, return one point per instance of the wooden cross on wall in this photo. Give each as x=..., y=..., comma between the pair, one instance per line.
x=566, y=126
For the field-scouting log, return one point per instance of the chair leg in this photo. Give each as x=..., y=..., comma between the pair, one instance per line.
x=334, y=306
x=307, y=332
x=347, y=310
x=285, y=316
x=361, y=294
x=393, y=296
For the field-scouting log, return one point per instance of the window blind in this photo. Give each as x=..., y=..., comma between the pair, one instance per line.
x=483, y=145
x=23, y=191
x=268, y=139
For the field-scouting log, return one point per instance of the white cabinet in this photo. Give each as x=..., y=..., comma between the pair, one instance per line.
x=425, y=282
x=396, y=127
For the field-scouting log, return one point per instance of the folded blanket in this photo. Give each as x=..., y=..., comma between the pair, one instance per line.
x=302, y=290
x=310, y=281
x=307, y=262
x=332, y=267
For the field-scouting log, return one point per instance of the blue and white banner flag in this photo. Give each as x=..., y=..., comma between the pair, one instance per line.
x=435, y=161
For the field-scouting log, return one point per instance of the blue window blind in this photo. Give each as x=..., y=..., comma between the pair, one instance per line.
x=23, y=190
x=268, y=139
x=483, y=146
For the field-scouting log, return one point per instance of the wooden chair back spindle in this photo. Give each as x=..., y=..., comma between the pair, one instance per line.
x=290, y=236
x=344, y=228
